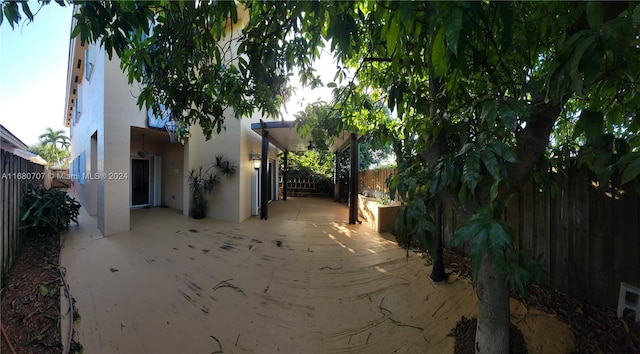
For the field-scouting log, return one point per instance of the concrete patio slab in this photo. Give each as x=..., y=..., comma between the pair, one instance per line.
x=303, y=281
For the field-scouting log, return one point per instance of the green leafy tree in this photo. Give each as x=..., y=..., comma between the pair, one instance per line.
x=481, y=90
x=478, y=87
x=47, y=153
x=56, y=141
x=313, y=163
x=317, y=162
x=43, y=151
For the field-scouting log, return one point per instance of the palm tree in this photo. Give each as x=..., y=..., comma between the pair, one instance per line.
x=53, y=138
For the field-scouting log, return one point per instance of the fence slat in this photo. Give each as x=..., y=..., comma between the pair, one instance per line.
x=12, y=239
x=589, y=237
x=527, y=236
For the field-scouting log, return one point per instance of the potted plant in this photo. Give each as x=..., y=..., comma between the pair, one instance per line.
x=203, y=182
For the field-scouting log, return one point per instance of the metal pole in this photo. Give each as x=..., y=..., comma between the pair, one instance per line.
x=285, y=176
x=336, y=178
x=264, y=213
x=353, y=181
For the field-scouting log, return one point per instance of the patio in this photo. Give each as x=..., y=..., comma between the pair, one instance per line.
x=302, y=281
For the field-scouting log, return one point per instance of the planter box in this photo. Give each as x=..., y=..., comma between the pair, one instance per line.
x=381, y=217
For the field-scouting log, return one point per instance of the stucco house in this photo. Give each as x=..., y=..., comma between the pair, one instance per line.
x=108, y=133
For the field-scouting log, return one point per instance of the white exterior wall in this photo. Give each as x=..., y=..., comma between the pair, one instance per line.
x=232, y=199
x=251, y=142
x=90, y=122
x=173, y=176
x=109, y=111
x=121, y=112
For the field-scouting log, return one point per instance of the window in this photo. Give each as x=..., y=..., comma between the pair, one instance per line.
x=89, y=61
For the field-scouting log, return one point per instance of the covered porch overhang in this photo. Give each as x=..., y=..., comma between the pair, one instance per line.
x=282, y=134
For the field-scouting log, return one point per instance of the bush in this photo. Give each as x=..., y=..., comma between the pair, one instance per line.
x=47, y=212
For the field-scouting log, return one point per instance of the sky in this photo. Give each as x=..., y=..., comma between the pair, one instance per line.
x=326, y=69
x=33, y=72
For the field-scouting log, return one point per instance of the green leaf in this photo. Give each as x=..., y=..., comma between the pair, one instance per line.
x=489, y=113
x=453, y=28
x=507, y=115
x=491, y=163
x=575, y=71
x=392, y=36
x=493, y=191
x=11, y=12
x=465, y=148
x=438, y=54
x=594, y=14
x=590, y=66
x=477, y=250
x=406, y=11
x=43, y=290
x=516, y=276
x=503, y=150
x=471, y=170
x=331, y=85
x=592, y=123
x=466, y=232
x=631, y=171
x=27, y=11
x=498, y=235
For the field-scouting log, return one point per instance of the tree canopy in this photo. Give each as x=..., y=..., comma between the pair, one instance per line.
x=54, y=145
x=486, y=94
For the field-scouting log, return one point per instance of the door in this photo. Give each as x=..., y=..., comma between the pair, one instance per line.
x=140, y=182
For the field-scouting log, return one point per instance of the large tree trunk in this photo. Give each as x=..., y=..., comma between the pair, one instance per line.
x=492, y=332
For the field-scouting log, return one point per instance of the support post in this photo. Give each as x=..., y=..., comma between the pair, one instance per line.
x=264, y=176
x=285, y=176
x=353, y=180
x=336, y=178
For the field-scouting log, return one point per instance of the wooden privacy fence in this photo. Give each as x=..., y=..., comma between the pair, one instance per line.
x=57, y=178
x=15, y=174
x=589, y=237
x=375, y=179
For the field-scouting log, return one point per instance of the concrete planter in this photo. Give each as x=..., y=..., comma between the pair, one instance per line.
x=380, y=217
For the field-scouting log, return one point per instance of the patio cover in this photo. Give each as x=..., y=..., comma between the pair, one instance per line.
x=282, y=134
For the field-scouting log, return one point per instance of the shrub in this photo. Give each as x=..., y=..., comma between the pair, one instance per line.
x=203, y=182
x=47, y=212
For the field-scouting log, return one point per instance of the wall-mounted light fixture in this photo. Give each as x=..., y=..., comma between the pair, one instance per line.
x=256, y=159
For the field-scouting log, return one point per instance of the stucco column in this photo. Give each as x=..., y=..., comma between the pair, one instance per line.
x=353, y=181
x=113, y=188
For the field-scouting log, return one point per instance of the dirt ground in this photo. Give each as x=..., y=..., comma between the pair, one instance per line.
x=596, y=329
x=31, y=300
x=31, y=311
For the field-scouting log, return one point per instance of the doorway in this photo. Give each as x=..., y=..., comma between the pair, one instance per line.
x=140, y=182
